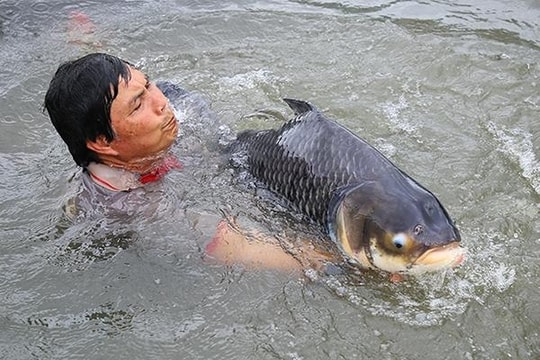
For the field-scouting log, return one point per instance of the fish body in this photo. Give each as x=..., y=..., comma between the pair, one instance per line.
x=378, y=215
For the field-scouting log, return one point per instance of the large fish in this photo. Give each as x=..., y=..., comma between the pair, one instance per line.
x=379, y=216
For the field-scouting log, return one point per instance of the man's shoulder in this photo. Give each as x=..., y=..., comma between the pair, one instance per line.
x=92, y=199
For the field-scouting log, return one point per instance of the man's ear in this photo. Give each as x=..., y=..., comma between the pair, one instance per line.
x=101, y=146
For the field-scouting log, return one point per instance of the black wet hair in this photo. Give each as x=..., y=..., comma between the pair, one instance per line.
x=79, y=101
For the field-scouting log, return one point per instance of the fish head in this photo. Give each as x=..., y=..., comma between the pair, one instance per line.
x=403, y=229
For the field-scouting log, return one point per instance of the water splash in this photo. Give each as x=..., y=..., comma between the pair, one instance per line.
x=517, y=145
x=393, y=112
x=248, y=80
x=429, y=299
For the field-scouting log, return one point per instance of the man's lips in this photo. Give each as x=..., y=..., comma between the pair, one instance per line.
x=170, y=123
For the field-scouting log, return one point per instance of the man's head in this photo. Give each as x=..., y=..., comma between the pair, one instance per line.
x=107, y=111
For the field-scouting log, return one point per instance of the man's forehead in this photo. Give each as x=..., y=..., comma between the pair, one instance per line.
x=136, y=77
x=130, y=91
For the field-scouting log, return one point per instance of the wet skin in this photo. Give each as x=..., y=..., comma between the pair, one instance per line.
x=143, y=123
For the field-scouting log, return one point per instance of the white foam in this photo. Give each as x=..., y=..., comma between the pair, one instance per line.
x=502, y=277
x=248, y=80
x=517, y=145
x=429, y=299
x=393, y=112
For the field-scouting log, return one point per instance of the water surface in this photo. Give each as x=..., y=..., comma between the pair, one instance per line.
x=449, y=91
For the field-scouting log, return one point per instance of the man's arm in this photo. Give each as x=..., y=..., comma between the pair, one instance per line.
x=229, y=246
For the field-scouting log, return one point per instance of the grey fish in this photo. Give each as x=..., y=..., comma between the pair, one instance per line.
x=379, y=216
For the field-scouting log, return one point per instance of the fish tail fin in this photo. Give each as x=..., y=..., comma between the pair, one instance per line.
x=299, y=106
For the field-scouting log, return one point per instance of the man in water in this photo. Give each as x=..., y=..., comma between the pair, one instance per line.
x=119, y=127
x=117, y=124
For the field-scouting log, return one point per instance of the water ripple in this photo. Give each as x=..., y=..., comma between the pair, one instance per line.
x=517, y=145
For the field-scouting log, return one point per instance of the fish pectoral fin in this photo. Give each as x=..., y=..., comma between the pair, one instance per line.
x=350, y=229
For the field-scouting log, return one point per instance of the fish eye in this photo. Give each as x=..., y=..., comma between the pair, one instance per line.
x=418, y=229
x=399, y=240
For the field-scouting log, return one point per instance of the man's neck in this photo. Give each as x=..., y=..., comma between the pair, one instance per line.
x=117, y=178
x=113, y=178
x=139, y=166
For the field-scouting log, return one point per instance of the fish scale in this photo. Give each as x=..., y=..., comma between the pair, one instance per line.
x=301, y=163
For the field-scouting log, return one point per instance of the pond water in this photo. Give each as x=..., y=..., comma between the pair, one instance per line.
x=448, y=90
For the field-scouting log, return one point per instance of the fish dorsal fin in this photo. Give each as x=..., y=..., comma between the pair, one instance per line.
x=299, y=106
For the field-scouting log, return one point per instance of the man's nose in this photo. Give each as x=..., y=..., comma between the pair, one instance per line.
x=161, y=102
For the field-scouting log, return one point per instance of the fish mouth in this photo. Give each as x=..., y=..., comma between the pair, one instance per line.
x=441, y=257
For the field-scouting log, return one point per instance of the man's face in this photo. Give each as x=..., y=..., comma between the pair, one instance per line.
x=143, y=122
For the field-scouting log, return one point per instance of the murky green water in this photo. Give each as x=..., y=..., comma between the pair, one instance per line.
x=448, y=90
